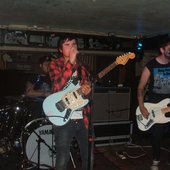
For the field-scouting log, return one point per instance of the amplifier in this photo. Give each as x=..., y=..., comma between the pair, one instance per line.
x=111, y=104
x=111, y=133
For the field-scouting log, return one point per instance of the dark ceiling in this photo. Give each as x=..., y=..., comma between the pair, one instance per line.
x=127, y=18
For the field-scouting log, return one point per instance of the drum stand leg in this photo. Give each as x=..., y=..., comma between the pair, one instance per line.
x=39, y=140
x=72, y=160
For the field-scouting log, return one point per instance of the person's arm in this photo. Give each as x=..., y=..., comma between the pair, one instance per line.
x=31, y=92
x=141, y=91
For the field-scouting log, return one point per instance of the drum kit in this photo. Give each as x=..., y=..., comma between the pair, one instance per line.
x=32, y=137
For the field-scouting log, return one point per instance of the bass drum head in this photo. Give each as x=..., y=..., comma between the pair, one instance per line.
x=39, y=143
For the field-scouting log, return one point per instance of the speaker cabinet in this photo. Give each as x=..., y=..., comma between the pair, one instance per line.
x=111, y=104
x=110, y=133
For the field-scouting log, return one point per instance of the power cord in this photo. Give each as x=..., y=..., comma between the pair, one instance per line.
x=123, y=155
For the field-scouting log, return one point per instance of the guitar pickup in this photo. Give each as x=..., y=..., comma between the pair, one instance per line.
x=149, y=123
x=153, y=113
x=67, y=100
x=75, y=95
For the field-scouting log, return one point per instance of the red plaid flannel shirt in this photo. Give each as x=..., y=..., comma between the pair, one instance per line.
x=61, y=73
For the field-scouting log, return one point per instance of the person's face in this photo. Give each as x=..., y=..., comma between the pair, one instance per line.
x=66, y=47
x=166, y=51
x=45, y=67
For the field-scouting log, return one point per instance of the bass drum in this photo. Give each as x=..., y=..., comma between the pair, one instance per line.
x=38, y=143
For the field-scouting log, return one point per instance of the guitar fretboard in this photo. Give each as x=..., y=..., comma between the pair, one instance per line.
x=106, y=70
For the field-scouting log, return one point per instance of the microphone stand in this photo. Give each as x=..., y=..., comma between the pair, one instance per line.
x=91, y=131
x=39, y=141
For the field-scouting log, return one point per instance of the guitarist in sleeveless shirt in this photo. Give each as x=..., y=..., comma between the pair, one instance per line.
x=156, y=73
x=63, y=71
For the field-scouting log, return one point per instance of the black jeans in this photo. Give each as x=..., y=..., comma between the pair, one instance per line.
x=158, y=132
x=63, y=138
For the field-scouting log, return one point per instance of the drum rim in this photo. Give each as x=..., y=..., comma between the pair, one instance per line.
x=32, y=121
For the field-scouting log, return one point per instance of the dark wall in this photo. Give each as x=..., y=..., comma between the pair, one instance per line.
x=12, y=82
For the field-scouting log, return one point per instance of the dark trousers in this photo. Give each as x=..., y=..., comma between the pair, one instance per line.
x=63, y=138
x=158, y=132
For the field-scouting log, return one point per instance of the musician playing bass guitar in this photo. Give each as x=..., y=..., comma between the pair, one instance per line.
x=65, y=72
x=156, y=74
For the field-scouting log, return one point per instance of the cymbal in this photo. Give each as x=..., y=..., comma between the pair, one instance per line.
x=36, y=99
x=13, y=98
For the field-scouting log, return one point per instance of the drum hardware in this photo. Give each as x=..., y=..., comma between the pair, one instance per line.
x=4, y=117
x=39, y=141
x=26, y=165
x=7, y=107
x=5, y=146
x=38, y=144
x=42, y=156
x=6, y=142
x=13, y=118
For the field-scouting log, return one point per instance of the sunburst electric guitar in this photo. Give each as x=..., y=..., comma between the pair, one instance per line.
x=158, y=113
x=59, y=106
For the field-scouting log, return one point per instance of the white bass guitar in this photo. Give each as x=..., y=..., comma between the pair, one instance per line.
x=159, y=113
